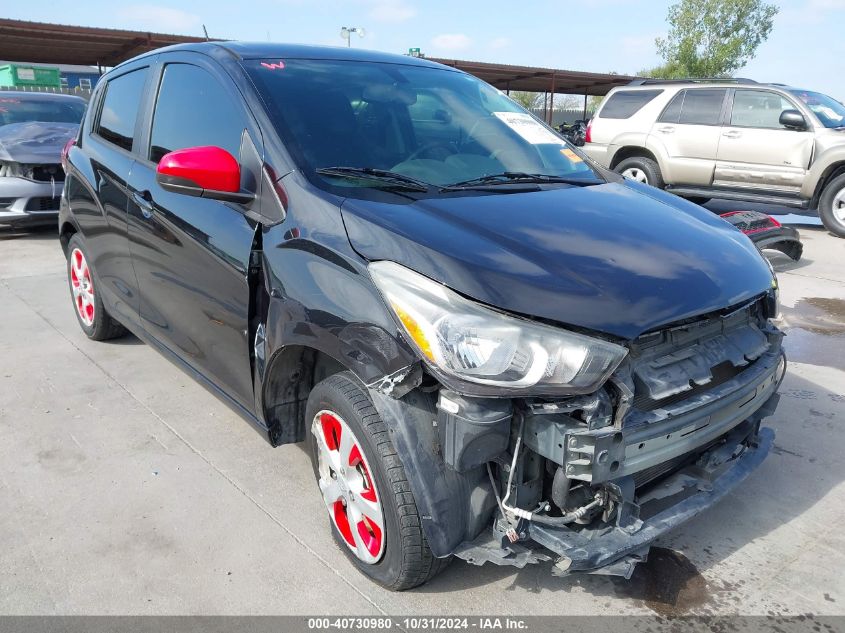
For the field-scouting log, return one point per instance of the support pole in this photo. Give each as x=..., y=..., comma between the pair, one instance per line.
x=552, y=108
x=585, y=108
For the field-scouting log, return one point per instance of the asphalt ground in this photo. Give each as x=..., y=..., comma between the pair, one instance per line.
x=126, y=488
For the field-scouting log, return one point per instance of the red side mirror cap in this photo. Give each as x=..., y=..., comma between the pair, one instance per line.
x=208, y=172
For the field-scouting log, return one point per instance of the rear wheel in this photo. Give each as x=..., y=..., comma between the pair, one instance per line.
x=832, y=206
x=372, y=512
x=97, y=324
x=641, y=169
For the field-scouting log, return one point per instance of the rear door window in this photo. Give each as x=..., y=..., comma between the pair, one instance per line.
x=625, y=103
x=193, y=110
x=120, y=108
x=702, y=107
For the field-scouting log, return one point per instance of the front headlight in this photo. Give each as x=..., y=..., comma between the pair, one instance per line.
x=11, y=170
x=465, y=340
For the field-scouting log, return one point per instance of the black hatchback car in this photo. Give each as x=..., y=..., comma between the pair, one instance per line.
x=495, y=349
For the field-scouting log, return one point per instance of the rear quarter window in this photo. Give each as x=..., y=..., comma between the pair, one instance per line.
x=626, y=103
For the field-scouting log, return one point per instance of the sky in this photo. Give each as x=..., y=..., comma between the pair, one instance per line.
x=806, y=47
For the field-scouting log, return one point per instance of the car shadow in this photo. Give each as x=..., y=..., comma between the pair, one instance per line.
x=671, y=582
x=39, y=233
x=783, y=263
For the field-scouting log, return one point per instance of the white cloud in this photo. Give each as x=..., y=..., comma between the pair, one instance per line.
x=450, y=42
x=156, y=18
x=392, y=11
x=499, y=43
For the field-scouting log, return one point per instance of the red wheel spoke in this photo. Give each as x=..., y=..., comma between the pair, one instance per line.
x=348, y=487
x=82, y=287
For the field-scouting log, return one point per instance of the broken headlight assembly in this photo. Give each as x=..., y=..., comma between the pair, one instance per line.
x=11, y=170
x=489, y=351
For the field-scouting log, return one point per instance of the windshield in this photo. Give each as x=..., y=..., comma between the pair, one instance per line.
x=24, y=110
x=829, y=111
x=436, y=126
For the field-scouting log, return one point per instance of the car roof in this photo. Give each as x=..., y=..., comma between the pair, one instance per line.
x=269, y=50
x=35, y=96
x=682, y=84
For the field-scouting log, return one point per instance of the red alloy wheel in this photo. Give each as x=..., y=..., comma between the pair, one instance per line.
x=348, y=488
x=82, y=286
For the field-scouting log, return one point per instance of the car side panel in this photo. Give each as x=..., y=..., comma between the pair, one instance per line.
x=97, y=197
x=321, y=295
x=689, y=151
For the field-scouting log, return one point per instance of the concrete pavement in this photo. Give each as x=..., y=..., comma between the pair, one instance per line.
x=125, y=488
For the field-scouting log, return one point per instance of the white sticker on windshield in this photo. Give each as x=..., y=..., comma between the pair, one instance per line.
x=529, y=128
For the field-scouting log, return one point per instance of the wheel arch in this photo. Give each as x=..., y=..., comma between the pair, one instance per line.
x=290, y=376
x=831, y=172
x=67, y=230
x=631, y=151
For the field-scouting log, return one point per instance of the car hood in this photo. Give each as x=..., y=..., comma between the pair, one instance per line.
x=35, y=142
x=617, y=258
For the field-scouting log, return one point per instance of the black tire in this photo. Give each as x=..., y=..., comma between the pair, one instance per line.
x=407, y=560
x=834, y=192
x=649, y=168
x=103, y=327
x=697, y=200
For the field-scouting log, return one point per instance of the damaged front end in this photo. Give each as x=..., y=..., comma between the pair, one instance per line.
x=590, y=481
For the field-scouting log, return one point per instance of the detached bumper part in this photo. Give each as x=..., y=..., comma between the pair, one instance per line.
x=766, y=232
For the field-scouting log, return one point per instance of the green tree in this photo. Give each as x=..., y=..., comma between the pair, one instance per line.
x=528, y=100
x=712, y=38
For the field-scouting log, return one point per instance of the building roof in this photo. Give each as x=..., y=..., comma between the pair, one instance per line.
x=534, y=79
x=65, y=68
x=22, y=41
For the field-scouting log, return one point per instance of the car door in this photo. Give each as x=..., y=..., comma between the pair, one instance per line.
x=109, y=148
x=689, y=131
x=756, y=150
x=192, y=254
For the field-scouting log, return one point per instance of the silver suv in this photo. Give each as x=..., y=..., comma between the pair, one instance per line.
x=736, y=140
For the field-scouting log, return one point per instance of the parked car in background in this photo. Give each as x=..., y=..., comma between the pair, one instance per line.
x=493, y=348
x=34, y=129
x=736, y=140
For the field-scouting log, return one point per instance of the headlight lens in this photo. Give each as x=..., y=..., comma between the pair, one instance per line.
x=11, y=170
x=466, y=340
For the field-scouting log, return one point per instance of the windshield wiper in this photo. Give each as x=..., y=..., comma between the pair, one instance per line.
x=519, y=177
x=378, y=175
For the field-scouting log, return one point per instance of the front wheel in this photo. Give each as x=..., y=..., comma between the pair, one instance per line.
x=832, y=206
x=641, y=169
x=371, y=508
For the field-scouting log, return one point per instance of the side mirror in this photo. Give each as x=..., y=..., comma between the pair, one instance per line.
x=204, y=172
x=793, y=120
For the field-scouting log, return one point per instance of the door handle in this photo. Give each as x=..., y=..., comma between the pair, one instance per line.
x=144, y=200
x=666, y=130
x=732, y=134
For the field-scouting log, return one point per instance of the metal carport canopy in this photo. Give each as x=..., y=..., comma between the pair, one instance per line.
x=533, y=79
x=23, y=41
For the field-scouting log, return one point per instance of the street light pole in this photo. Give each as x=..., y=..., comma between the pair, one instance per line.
x=347, y=31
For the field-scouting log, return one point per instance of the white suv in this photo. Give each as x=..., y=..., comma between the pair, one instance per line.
x=737, y=140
